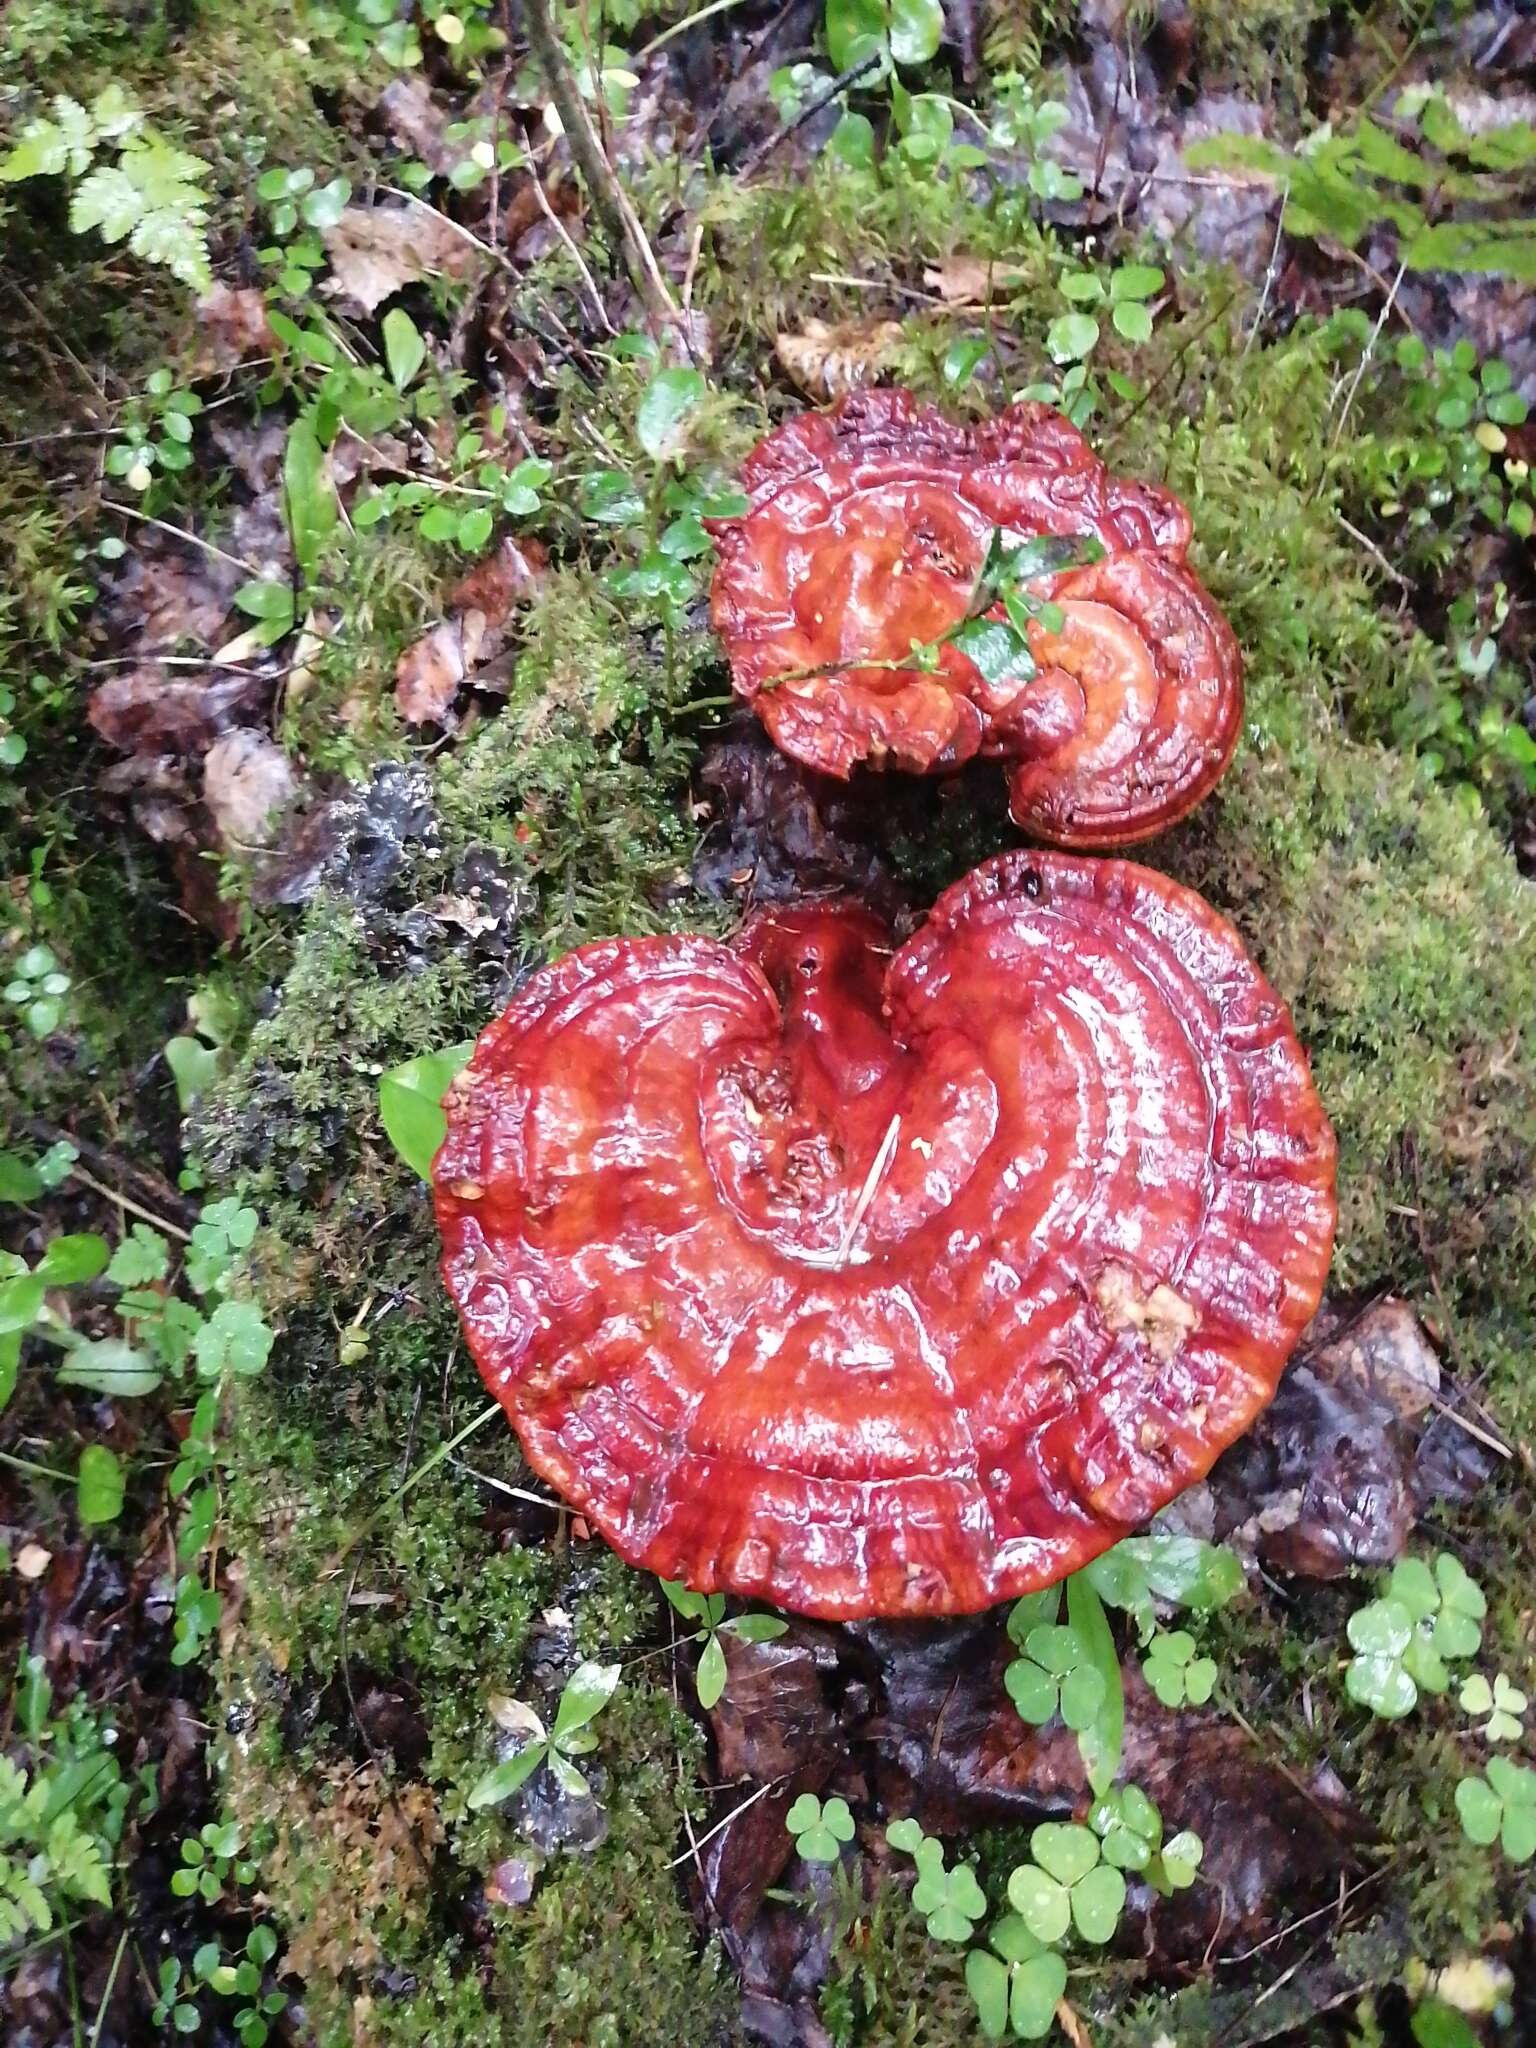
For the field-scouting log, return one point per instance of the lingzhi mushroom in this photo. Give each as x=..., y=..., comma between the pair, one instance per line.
x=890, y=1280
x=864, y=534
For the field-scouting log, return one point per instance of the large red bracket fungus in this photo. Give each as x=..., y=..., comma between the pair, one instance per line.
x=865, y=531
x=900, y=1281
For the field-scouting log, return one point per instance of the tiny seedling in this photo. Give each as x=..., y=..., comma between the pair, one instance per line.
x=587, y=1691
x=1056, y=1674
x=1503, y=1702
x=36, y=988
x=951, y=1901
x=1173, y=1671
x=708, y=1610
x=1501, y=1808
x=1068, y=1884
x=820, y=1828
x=1131, y=1830
x=1404, y=1641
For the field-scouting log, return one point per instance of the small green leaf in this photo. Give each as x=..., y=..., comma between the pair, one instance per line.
x=503, y=1779
x=19, y=1181
x=69, y=1261
x=404, y=349
x=987, y=1981
x=1072, y=337
x=309, y=497
x=99, y=1488
x=107, y=1365
x=1042, y=1904
x=1133, y=281
x=1384, y=1628
x=711, y=1675
x=411, y=1104
x=1038, y=1988
x=587, y=1691
x=1097, y=1903
x=758, y=1628
x=916, y=29
x=1064, y=1849
x=1481, y=1810
x=474, y=529
x=1132, y=321
x=665, y=405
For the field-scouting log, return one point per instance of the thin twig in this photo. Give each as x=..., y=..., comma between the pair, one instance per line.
x=721, y=1825
x=1270, y=273
x=177, y=533
x=1368, y=352
x=161, y=1223
x=808, y=112
x=575, y=255
x=680, y=28
x=867, y=1193
x=106, y=1996
x=1371, y=548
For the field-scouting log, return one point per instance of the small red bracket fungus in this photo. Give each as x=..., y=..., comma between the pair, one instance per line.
x=896, y=1282
x=866, y=528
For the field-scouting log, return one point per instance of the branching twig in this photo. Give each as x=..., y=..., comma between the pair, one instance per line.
x=808, y=112
x=620, y=222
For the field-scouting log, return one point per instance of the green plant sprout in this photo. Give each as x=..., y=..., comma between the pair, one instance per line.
x=177, y=1988
x=37, y=987
x=1503, y=1703
x=1175, y=1673
x=820, y=1828
x=1131, y=1830
x=1403, y=1641
x=1501, y=1807
x=1056, y=1674
x=708, y=1610
x=209, y=1859
x=587, y=1691
x=1016, y=1983
x=1067, y=1884
x=1182, y=1571
x=951, y=1901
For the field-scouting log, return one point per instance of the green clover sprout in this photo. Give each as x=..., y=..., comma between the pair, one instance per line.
x=950, y=1900
x=1501, y=1808
x=1056, y=1674
x=1403, y=1640
x=1175, y=1673
x=1019, y=1986
x=1131, y=1830
x=819, y=1830
x=1503, y=1702
x=1067, y=1885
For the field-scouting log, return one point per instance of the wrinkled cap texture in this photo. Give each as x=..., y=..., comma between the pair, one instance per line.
x=865, y=530
x=876, y=1280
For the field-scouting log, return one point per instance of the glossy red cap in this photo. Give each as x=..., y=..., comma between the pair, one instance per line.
x=865, y=530
x=871, y=1280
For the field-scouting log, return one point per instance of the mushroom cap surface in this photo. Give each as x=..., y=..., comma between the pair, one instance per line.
x=875, y=1280
x=865, y=529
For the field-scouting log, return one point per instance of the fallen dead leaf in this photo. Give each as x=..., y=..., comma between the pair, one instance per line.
x=154, y=710
x=972, y=280
x=428, y=674
x=247, y=781
x=376, y=251
x=826, y=361
x=517, y=569
x=32, y=1560
x=232, y=324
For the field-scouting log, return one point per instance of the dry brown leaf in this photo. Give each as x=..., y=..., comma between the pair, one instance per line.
x=232, y=320
x=247, y=781
x=973, y=280
x=826, y=361
x=517, y=569
x=376, y=251
x=428, y=674
x=154, y=710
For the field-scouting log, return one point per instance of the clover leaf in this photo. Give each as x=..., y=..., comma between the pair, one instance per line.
x=1404, y=1639
x=1502, y=1701
x=1056, y=1674
x=819, y=1830
x=1501, y=1808
x=1175, y=1673
x=1129, y=1826
x=1181, y=1570
x=1018, y=1986
x=950, y=1900
x=1067, y=1885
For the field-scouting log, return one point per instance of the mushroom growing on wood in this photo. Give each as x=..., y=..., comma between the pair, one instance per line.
x=890, y=1281
x=865, y=532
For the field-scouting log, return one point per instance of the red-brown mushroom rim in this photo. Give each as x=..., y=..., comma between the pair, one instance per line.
x=890, y=1282
x=865, y=531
